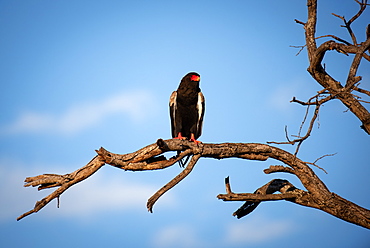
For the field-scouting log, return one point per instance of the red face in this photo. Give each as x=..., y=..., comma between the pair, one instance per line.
x=194, y=78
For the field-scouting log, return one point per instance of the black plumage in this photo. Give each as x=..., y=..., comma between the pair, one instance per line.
x=246, y=208
x=187, y=107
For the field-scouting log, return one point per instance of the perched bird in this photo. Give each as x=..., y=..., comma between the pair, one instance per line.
x=187, y=107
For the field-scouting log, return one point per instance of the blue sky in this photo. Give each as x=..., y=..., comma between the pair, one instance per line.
x=77, y=75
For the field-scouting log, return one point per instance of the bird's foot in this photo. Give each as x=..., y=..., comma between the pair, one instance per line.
x=192, y=138
x=180, y=137
x=196, y=141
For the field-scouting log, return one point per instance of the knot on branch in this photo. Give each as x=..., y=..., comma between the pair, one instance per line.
x=162, y=145
x=104, y=155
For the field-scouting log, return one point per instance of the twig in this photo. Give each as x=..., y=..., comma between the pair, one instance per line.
x=299, y=22
x=81, y=174
x=323, y=156
x=317, y=167
x=227, y=185
x=173, y=182
x=300, y=49
x=334, y=37
x=361, y=90
x=300, y=139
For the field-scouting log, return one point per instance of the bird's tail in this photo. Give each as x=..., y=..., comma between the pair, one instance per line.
x=246, y=208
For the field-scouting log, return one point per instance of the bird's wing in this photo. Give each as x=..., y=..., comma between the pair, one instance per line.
x=173, y=112
x=201, y=107
x=246, y=208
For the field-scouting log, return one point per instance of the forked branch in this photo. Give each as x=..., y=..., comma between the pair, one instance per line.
x=316, y=54
x=152, y=157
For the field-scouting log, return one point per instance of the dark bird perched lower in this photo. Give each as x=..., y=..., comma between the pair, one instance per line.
x=187, y=107
x=246, y=208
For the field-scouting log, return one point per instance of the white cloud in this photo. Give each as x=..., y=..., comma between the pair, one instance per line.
x=104, y=194
x=98, y=194
x=281, y=97
x=257, y=229
x=135, y=105
x=180, y=235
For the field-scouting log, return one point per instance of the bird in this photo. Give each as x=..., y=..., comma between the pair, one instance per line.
x=187, y=107
x=270, y=188
x=246, y=208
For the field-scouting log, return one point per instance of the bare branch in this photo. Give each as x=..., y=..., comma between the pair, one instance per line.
x=172, y=183
x=227, y=185
x=352, y=79
x=278, y=168
x=315, y=193
x=347, y=24
x=361, y=90
x=317, y=167
x=299, y=22
x=300, y=139
x=292, y=194
x=316, y=70
x=300, y=49
x=363, y=5
x=334, y=37
x=65, y=181
x=147, y=159
x=264, y=193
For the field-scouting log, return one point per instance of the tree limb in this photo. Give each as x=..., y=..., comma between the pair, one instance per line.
x=62, y=181
x=317, y=54
x=172, y=183
x=147, y=158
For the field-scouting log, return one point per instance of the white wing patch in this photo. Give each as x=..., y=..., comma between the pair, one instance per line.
x=173, y=99
x=173, y=112
x=200, y=108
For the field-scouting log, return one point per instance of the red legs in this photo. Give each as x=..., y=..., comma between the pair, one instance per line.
x=180, y=137
x=192, y=138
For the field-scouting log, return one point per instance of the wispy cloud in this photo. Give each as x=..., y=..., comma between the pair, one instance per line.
x=281, y=97
x=283, y=92
x=100, y=193
x=135, y=105
x=257, y=230
x=180, y=235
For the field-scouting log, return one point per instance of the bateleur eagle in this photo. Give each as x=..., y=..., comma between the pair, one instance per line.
x=187, y=107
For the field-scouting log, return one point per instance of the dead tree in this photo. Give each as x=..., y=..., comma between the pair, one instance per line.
x=315, y=193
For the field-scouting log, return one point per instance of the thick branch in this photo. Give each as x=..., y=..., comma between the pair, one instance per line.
x=148, y=158
x=334, y=204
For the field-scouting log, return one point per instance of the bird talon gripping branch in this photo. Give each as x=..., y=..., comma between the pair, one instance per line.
x=192, y=138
